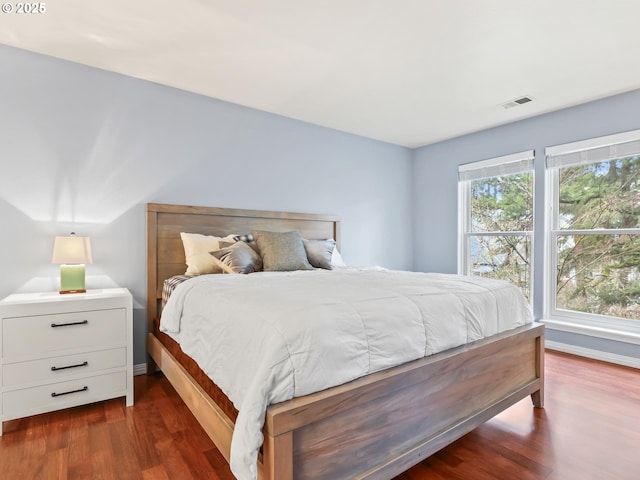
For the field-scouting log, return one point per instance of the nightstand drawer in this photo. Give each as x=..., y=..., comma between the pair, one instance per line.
x=58, y=368
x=48, y=333
x=44, y=398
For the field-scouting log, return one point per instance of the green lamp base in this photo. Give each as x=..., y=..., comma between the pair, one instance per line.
x=72, y=279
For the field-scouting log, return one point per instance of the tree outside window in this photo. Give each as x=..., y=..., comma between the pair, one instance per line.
x=501, y=226
x=496, y=219
x=597, y=239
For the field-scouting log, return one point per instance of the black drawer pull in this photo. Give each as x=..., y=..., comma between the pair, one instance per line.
x=83, y=389
x=83, y=322
x=83, y=364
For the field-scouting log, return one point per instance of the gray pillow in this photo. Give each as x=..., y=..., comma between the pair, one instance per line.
x=319, y=252
x=238, y=258
x=281, y=251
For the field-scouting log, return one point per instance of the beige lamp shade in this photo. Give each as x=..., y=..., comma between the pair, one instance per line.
x=71, y=250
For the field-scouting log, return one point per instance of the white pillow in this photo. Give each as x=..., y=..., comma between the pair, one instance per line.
x=336, y=259
x=196, y=252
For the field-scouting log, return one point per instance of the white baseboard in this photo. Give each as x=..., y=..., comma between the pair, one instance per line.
x=598, y=331
x=140, y=369
x=595, y=354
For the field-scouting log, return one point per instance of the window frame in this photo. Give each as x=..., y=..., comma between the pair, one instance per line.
x=581, y=153
x=512, y=164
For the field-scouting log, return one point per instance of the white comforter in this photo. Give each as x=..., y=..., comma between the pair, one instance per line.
x=267, y=337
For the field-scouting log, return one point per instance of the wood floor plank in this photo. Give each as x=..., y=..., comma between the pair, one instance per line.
x=122, y=447
x=155, y=473
x=103, y=465
x=172, y=460
x=588, y=430
x=78, y=447
x=55, y=464
x=195, y=458
x=219, y=464
x=114, y=410
x=145, y=428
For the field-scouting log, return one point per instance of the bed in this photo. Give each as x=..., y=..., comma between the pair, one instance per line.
x=376, y=426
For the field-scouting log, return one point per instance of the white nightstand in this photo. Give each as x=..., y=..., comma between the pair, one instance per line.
x=59, y=351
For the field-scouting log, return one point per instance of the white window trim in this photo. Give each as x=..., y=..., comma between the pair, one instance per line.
x=492, y=167
x=505, y=165
x=613, y=328
x=592, y=143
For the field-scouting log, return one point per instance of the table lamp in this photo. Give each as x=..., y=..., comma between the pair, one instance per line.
x=72, y=253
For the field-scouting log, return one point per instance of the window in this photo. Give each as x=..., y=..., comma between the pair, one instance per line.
x=593, y=230
x=496, y=219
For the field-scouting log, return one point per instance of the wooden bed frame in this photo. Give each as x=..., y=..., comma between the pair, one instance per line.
x=374, y=427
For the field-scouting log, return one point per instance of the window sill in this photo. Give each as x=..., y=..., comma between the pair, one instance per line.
x=622, y=334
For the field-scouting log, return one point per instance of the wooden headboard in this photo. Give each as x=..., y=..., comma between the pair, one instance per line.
x=165, y=253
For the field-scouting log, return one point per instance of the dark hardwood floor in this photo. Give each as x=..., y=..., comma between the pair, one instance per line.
x=589, y=429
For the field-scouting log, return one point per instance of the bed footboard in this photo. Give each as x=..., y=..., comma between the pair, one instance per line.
x=379, y=426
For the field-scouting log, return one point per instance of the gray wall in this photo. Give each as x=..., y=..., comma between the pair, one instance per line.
x=435, y=185
x=83, y=149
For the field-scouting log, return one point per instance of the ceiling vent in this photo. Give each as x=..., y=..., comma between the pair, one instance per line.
x=517, y=102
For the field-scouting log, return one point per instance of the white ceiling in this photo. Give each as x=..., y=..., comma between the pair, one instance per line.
x=409, y=72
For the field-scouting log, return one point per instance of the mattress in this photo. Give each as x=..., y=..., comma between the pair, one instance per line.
x=267, y=337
